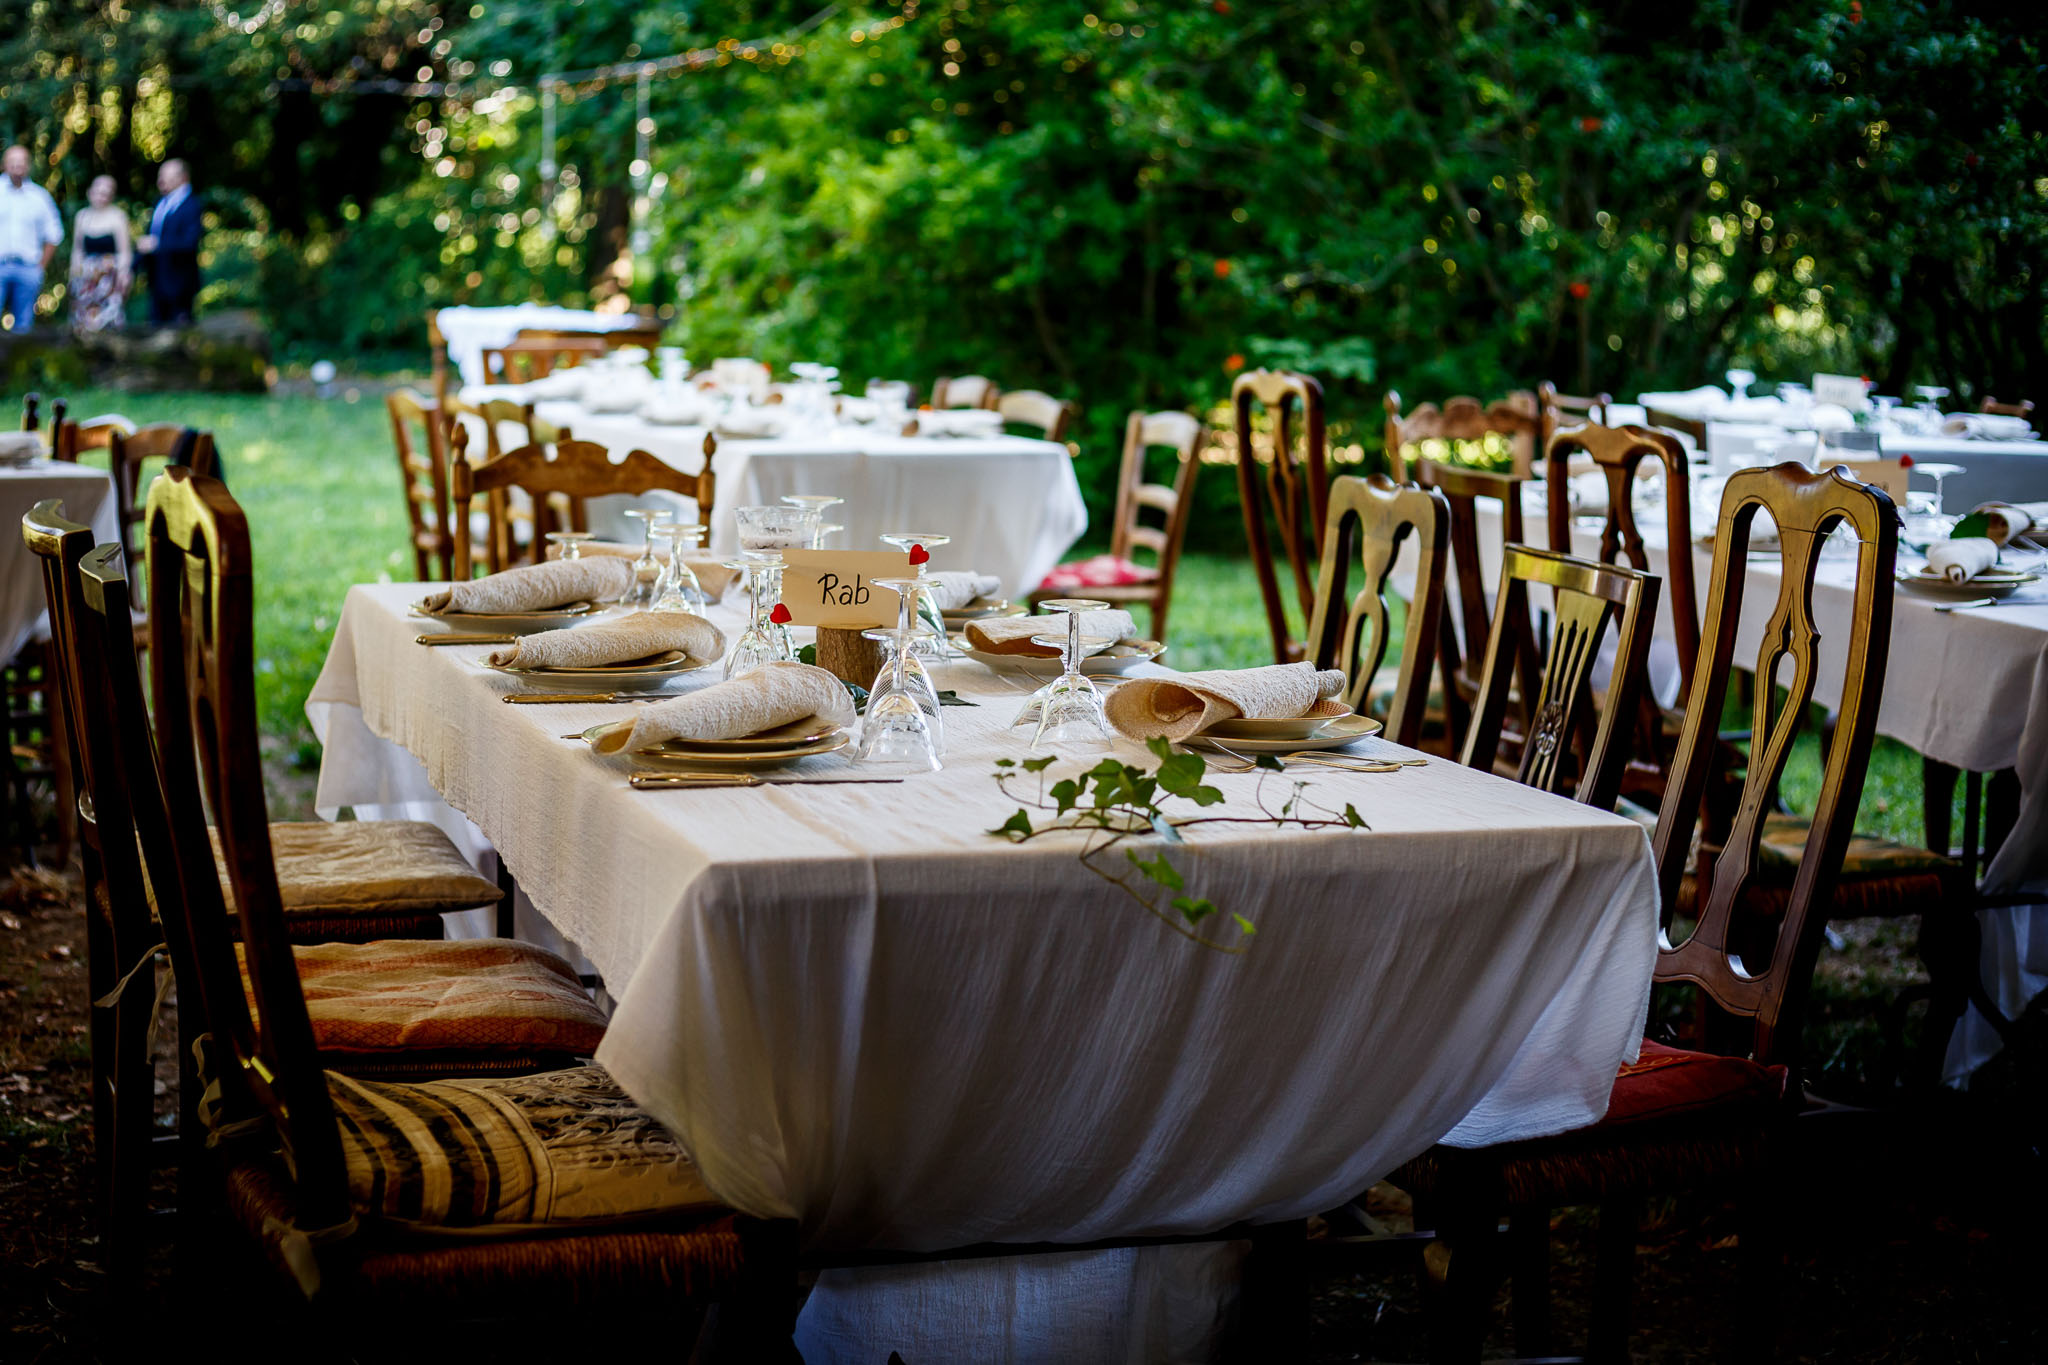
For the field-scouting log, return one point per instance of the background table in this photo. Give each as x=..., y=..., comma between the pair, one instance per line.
x=88, y=496
x=468, y=332
x=1011, y=504
x=857, y=1008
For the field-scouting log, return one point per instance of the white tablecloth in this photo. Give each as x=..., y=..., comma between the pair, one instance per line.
x=857, y=1008
x=88, y=496
x=1011, y=504
x=469, y=332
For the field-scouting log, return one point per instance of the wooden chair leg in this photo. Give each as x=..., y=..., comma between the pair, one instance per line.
x=1274, y=1296
x=1462, y=1270
x=757, y=1323
x=1621, y=1219
x=1528, y=1253
x=1938, y=798
x=134, y=1103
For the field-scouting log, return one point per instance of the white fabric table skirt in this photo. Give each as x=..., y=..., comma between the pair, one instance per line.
x=469, y=332
x=88, y=496
x=1969, y=689
x=858, y=1009
x=1011, y=504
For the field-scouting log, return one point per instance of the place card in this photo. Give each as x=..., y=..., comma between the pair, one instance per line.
x=1843, y=390
x=837, y=587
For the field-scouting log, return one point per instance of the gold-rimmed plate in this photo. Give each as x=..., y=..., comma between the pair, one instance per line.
x=1103, y=659
x=1990, y=583
x=639, y=675
x=809, y=730
x=511, y=622
x=1335, y=733
x=674, y=754
x=1310, y=726
x=983, y=608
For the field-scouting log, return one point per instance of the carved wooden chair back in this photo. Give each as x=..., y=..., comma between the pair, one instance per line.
x=577, y=470
x=423, y=474
x=1557, y=411
x=1368, y=521
x=511, y=520
x=59, y=544
x=1293, y=489
x=1768, y=988
x=1185, y=436
x=128, y=454
x=1462, y=490
x=1691, y=428
x=1584, y=598
x=1507, y=428
x=1991, y=407
x=70, y=439
x=965, y=391
x=533, y=357
x=202, y=675
x=1051, y=416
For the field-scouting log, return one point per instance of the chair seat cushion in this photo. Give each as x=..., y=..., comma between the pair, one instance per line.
x=560, y=1147
x=1783, y=844
x=488, y=995
x=350, y=866
x=1100, y=571
x=1665, y=1081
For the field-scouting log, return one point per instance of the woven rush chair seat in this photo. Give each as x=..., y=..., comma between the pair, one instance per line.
x=1675, y=1118
x=408, y=1008
x=354, y=881
x=1880, y=878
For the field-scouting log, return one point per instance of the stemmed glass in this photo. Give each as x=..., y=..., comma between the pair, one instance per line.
x=891, y=398
x=679, y=589
x=813, y=505
x=901, y=725
x=1069, y=707
x=1930, y=405
x=1739, y=382
x=826, y=530
x=762, y=642
x=571, y=542
x=931, y=626
x=647, y=570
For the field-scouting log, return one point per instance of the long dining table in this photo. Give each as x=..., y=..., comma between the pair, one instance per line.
x=860, y=1008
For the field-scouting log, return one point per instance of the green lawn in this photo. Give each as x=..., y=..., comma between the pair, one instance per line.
x=320, y=484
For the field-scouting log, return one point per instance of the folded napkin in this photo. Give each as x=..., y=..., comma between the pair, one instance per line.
x=1012, y=634
x=712, y=575
x=2008, y=520
x=1961, y=560
x=639, y=636
x=19, y=447
x=1687, y=402
x=536, y=587
x=773, y=694
x=955, y=588
x=963, y=422
x=1177, y=706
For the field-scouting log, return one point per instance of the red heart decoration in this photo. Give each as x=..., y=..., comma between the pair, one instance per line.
x=918, y=554
x=780, y=616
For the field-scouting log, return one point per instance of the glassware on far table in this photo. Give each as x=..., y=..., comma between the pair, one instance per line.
x=1069, y=707
x=571, y=542
x=1930, y=405
x=901, y=726
x=647, y=570
x=813, y=505
x=1739, y=382
x=931, y=621
x=680, y=590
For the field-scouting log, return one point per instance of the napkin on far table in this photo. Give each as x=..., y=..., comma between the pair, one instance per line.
x=1961, y=560
x=956, y=588
x=1178, y=705
x=1012, y=634
x=712, y=575
x=773, y=694
x=639, y=636
x=536, y=587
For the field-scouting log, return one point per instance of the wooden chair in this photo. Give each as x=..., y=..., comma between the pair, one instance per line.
x=1991, y=407
x=574, y=469
x=1116, y=577
x=1368, y=521
x=1691, y=428
x=533, y=357
x=1681, y=1118
x=1295, y=490
x=965, y=391
x=1584, y=597
x=423, y=475
x=351, y=1218
x=128, y=455
x=1462, y=489
x=511, y=519
x=1555, y=411
x=1050, y=416
x=70, y=439
x=1509, y=426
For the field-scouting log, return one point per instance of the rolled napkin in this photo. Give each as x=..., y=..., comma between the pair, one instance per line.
x=955, y=588
x=773, y=694
x=536, y=587
x=639, y=636
x=712, y=575
x=1178, y=705
x=1012, y=634
x=1961, y=560
x=960, y=422
x=2012, y=519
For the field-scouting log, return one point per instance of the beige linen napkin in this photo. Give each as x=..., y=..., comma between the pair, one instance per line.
x=536, y=587
x=773, y=694
x=1177, y=706
x=955, y=588
x=712, y=575
x=2013, y=519
x=639, y=636
x=1012, y=634
x=1961, y=560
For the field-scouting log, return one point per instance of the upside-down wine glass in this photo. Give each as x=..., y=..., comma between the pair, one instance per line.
x=1069, y=707
x=900, y=727
x=647, y=568
x=931, y=621
x=814, y=505
x=680, y=590
x=569, y=542
x=765, y=532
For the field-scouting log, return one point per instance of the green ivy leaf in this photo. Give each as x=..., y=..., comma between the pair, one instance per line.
x=1064, y=793
x=1006, y=763
x=1039, y=765
x=1244, y=925
x=1194, y=909
x=807, y=655
x=1270, y=763
x=1205, y=796
x=1353, y=818
x=1158, y=869
x=1161, y=748
x=1180, y=774
x=1017, y=827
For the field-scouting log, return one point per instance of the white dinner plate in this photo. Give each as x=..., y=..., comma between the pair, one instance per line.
x=1296, y=727
x=982, y=608
x=641, y=675
x=1991, y=583
x=1334, y=735
x=673, y=755
x=510, y=622
x=1119, y=657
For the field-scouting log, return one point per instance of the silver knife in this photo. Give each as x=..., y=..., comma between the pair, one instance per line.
x=463, y=639
x=685, y=781
x=565, y=698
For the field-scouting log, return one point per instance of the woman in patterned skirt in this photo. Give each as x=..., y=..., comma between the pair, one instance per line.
x=102, y=261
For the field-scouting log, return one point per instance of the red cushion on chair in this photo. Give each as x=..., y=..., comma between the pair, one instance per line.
x=1102, y=571
x=1667, y=1080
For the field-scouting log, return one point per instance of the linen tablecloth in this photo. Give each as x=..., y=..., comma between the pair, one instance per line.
x=857, y=1008
x=1011, y=504
x=469, y=332
x=88, y=496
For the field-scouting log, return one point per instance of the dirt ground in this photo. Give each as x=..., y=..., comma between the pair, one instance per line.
x=1916, y=1231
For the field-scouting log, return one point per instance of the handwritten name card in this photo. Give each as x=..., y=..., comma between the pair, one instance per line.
x=837, y=587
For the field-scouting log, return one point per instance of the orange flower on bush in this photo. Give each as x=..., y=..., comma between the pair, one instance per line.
x=1578, y=289
x=1222, y=269
x=1591, y=123
x=1232, y=363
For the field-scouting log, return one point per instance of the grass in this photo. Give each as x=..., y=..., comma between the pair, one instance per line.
x=317, y=478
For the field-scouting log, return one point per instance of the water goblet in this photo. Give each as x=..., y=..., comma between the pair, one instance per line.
x=900, y=727
x=647, y=569
x=1739, y=381
x=931, y=620
x=826, y=530
x=1930, y=404
x=680, y=589
x=570, y=542
x=1070, y=707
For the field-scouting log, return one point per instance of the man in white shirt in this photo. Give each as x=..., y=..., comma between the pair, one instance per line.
x=30, y=229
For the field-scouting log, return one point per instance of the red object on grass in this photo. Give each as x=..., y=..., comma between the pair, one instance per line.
x=919, y=555
x=780, y=616
x=1102, y=571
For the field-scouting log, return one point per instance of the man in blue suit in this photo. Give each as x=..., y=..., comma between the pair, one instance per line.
x=170, y=248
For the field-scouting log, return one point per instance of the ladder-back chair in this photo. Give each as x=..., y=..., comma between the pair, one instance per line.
x=1052, y=417
x=419, y=432
x=576, y=470
x=1293, y=490
x=965, y=391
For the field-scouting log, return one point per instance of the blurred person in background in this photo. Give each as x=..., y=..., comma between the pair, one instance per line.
x=102, y=260
x=30, y=229
x=172, y=246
